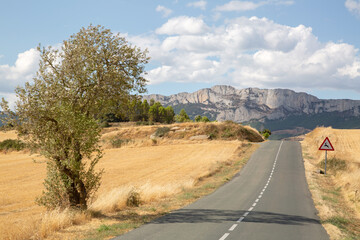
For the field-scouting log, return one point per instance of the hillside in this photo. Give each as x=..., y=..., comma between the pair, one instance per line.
x=276, y=109
x=158, y=168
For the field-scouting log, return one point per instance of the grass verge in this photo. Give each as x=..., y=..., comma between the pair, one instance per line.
x=337, y=217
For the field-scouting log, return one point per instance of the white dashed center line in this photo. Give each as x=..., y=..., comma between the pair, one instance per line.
x=256, y=201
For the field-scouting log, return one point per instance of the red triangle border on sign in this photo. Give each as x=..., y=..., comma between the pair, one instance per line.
x=332, y=148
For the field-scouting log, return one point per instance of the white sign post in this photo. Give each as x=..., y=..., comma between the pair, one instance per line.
x=327, y=146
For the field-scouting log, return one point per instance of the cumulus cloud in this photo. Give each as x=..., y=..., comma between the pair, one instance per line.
x=199, y=4
x=22, y=71
x=183, y=25
x=353, y=6
x=250, y=52
x=165, y=11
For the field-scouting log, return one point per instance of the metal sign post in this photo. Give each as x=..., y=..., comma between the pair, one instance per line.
x=327, y=146
x=325, y=160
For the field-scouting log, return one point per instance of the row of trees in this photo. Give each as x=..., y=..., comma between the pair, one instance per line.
x=153, y=112
x=143, y=111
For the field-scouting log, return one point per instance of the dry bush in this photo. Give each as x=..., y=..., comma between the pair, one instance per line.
x=121, y=197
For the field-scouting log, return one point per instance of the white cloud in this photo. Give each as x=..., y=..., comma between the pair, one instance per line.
x=239, y=6
x=353, y=6
x=249, y=52
x=24, y=70
x=10, y=98
x=199, y=4
x=165, y=11
x=248, y=5
x=183, y=25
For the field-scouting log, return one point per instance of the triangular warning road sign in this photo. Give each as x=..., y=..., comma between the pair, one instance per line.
x=326, y=145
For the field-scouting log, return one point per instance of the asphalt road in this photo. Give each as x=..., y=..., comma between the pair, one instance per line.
x=268, y=199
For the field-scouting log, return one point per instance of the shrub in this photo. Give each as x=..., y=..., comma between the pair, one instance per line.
x=11, y=144
x=227, y=133
x=104, y=124
x=144, y=123
x=162, y=131
x=205, y=119
x=334, y=164
x=133, y=199
x=117, y=142
x=197, y=118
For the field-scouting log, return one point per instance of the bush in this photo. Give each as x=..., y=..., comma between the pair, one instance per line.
x=162, y=131
x=334, y=164
x=197, y=118
x=104, y=124
x=133, y=199
x=11, y=144
x=117, y=142
x=205, y=119
x=144, y=123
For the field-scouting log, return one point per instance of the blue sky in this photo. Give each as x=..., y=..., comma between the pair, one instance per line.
x=304, y=45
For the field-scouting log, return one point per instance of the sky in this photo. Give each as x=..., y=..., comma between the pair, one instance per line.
x=303, y=45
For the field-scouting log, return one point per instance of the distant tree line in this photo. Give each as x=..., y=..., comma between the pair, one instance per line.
x=137, y=110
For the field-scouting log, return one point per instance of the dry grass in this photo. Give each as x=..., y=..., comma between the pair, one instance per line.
x=335, y=195
x=156, y=171
x=7, y=135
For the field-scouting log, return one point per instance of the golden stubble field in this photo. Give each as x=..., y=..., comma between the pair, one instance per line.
x=336, y=195
x=154, y=168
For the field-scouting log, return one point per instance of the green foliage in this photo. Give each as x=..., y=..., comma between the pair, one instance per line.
x=337, y=221
x=142, y=123
x=162, y=131
x=195, y=109
x=205, y=119
x=118, y=142
x=182, y=116
x=11, y=144
x=157, y=113
x=58, y=113
x=266, y=135
x=103, y=228
x=104, y=124
x=169, y=114
x=334, y=164
x=199, y=118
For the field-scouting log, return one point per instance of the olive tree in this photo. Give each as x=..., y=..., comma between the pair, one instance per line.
x=57, y=113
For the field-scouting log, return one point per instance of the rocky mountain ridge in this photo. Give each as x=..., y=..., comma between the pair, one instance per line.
x=240, y=105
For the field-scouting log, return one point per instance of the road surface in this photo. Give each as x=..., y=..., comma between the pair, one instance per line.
x=268, y=199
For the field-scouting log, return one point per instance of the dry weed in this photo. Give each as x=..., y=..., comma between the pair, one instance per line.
x=59, y=219
x=116, y=199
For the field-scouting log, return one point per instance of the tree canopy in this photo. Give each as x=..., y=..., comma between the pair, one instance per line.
x=94, y=72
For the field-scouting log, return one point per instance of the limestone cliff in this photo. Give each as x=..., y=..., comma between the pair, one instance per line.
x=242, y=105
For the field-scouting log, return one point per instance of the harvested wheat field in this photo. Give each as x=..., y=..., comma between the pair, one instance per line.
x=155, y=168
x=337, y=194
